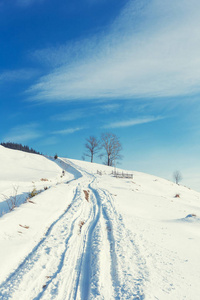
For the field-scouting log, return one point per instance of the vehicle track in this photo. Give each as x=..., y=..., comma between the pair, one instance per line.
x=128, y=268
x=45, y=255
x=87, y=253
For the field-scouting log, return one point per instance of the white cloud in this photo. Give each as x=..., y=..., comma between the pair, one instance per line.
x=17, y=75
x=22, y=134
x=132, y=122
x=70, y=115
x=151, y=50
x=84, y=112
x=107, y=108
x=67, y=131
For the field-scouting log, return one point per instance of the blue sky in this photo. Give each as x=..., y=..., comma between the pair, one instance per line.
x=71, y=69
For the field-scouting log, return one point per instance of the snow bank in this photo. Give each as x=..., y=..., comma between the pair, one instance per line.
x=22, y=172
x=165, y=230
x=21, y=166
x=138, y=226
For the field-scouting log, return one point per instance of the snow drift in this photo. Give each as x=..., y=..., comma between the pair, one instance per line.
x=128, y=239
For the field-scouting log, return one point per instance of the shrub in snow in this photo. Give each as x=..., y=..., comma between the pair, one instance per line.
x=177, y=196
x=177, y=176
x=44, y=179
x=86, y=193
x=63, y=173
x=12, y=200
x=81, y=223
x=33, y=193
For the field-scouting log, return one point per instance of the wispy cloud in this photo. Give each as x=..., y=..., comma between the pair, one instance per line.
x=107, y=108
x=69, y=115
x=151, y=50
x=22, y=134
x=17, y=75
x=85, y=112
x=67, y=131
x=132, y=122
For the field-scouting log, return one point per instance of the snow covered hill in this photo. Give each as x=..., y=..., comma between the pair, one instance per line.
x=92, y=236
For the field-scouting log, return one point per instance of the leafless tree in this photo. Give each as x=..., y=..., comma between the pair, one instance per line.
x=92, y=147
x=12, y=201
x=177, y=176
x=112, y=148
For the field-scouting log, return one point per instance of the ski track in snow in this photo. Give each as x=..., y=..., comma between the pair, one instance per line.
x=95, y=259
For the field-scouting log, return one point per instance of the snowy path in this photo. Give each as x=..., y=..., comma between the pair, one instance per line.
x=86, y=253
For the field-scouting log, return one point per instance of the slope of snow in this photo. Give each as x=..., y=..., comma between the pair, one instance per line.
x=166, y=229
x=95, y=236
x=22, y=172
x=22, y=166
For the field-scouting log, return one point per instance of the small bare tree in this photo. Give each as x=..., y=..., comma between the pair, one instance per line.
x=92, y=147
x=112, y=147
x=177, y=176
x=12, y=201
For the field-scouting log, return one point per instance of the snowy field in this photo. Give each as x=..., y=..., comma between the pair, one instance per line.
x=91, y=236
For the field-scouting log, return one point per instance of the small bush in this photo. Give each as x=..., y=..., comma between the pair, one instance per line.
x=12, y=201
x=177, y=196
x=86, y=193
x=63, y=174
x=193, y=215
x=43, y=179
x=81, y=223
x=33, y=193
x=24, y=226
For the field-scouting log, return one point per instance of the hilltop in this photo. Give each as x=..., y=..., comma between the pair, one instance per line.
x=91, y=236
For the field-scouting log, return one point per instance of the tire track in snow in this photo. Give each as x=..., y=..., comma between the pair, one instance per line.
x=128, y=271
x=70, y=259
x=126, y=285
x=62, y=263
x=113, y=256
x=80, y=280
x=68, y=283
x=86, y=272
x=10, y=285
x=73, y=274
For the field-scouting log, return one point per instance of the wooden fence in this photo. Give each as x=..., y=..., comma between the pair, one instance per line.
x=122, y=175
x=117, y=174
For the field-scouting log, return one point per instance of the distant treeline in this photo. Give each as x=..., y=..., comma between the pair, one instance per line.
x=16, y=146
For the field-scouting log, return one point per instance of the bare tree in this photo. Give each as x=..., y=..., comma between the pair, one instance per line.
x=12, y=201
x=92, y=147
x=177, y=176
x=112, y=147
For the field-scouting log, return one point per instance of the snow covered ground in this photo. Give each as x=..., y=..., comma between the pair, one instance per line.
x=91, y=236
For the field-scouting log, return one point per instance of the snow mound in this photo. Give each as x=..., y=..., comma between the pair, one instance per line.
x=22, y=166
x=132, y=239
x=191, y=218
